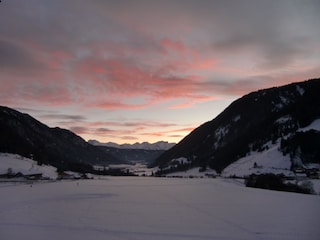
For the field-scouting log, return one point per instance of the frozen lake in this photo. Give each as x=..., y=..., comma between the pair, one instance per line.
x=119, y=208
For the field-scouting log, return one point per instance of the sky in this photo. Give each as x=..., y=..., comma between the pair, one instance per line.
x=129, y=71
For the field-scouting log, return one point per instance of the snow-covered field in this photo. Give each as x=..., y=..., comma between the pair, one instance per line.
x=127, y=208
x=17, y=163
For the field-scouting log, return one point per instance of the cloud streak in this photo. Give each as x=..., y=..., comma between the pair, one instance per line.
x=121, y=131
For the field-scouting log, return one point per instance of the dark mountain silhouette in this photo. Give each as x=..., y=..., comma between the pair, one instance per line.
x=274, y=114
x=24, y=135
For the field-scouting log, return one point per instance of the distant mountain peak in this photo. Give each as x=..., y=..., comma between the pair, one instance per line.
x=161, y=145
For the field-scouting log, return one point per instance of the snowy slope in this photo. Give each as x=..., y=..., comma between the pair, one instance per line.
x=193, y=172
x=315, y=125
x=155, y=209
x=268, y=161
x=24, y=165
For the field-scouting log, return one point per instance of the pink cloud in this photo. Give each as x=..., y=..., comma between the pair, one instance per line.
x=112, y=83
x=115, y=105
x=99, y=79
x=191, y=103
x=141, y=124
x=22, y=91
x=205, y=64
x=166, y=133
x=126, y=130
x=39, y=78
x=171, y=45
x=130, y=138
x=122, y=79
x=108, y=57
x=186, y=57
x=58, y=58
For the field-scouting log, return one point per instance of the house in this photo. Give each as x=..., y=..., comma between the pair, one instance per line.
x=313, y=173
x=36, y=176
x=64, y=175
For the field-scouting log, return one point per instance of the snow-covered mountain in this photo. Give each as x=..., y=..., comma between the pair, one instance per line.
x=271, y=128
x=161, y=145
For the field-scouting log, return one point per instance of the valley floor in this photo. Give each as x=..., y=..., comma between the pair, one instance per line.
x=125, y=208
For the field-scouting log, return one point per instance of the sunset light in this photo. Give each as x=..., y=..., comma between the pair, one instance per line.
x=135, y=71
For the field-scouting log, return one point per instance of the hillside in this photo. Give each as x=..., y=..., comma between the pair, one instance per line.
x=252, y=124
x=21, y=134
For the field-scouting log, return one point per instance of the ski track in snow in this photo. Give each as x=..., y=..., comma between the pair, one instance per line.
x=126, y=208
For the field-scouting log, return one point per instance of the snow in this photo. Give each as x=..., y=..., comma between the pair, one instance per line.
x=194, y=172
x=181, y=160
x=284, y=119
x=300, y=90
x=220, y=134
x=155, y=209
x=278, y=106
x=222, y=131
x=284, y=100
x=315, y=125
x=237, y=118
x=316, y=185
x=25, y=166
x=268, y=161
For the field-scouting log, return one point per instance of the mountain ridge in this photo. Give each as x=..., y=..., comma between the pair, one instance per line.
x=160, y=145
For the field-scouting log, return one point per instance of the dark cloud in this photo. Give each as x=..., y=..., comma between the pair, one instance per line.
x=58, y=22
x=103, y=130
x=237, y=87
x=277, y=32
x=14, y=56
x=79, y=130
x=93, y=131
x=130, y=138
x=65, y=117
x=34, y=111
x=176, y=136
